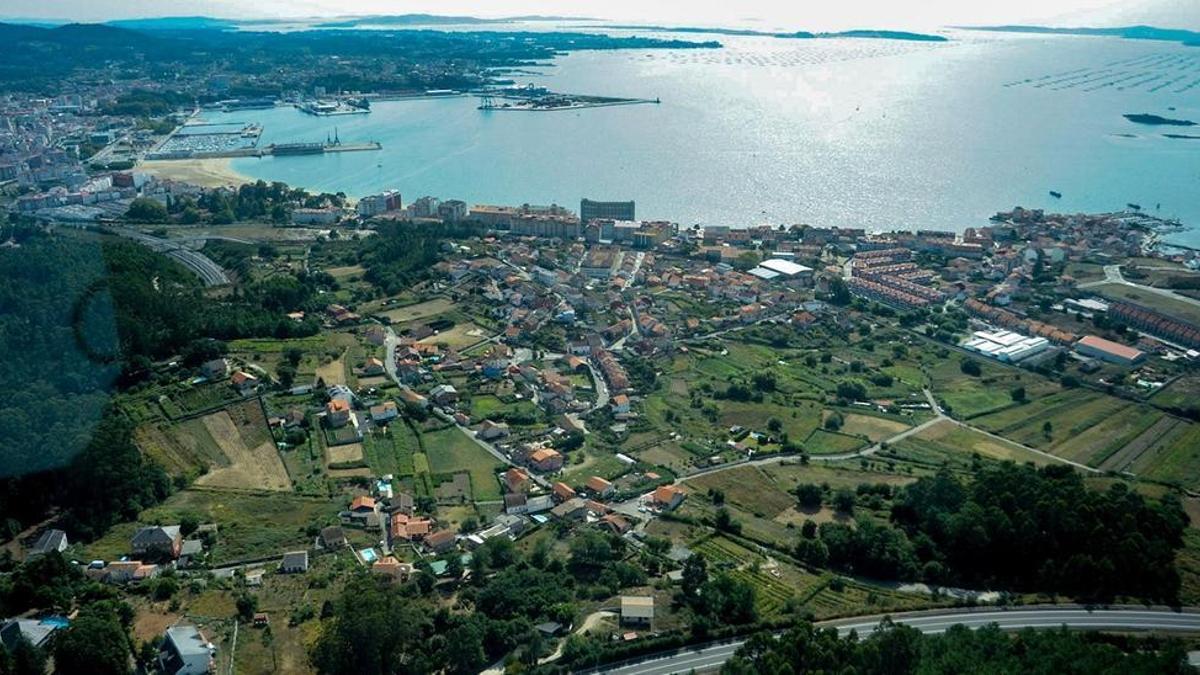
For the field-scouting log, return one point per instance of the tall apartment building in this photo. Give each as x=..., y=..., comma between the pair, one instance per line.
x=590, y=210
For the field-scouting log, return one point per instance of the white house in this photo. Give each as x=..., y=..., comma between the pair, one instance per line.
x=185, y=651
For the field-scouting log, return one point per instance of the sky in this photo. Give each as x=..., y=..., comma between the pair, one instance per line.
x=766, y=14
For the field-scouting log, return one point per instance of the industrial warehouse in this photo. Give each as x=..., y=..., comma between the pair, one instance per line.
x=1005, y=345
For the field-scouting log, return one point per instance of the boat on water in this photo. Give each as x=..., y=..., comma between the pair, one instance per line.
x=1135, y=207
x=1056, y=194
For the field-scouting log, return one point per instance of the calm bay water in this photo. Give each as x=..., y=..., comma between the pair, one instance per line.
x=871, y=133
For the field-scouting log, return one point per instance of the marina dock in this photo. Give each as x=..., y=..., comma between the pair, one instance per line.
x=275, y=150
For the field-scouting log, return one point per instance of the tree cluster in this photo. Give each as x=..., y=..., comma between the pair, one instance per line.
x=900, y=650
x=1016, y=528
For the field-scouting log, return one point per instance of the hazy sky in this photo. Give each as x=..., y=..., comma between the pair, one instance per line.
x=818, y=14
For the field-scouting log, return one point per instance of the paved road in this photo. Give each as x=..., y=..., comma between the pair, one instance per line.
x=208, y=271
x=1157, y=620
x=1112, y=275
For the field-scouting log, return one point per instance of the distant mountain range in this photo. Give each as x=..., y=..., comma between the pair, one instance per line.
x=176, y=23
x=1187, y=37
x=437, y=20
x=802, y=35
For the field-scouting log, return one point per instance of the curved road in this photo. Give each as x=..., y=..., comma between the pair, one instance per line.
x=1079, y=618
x=203, y=266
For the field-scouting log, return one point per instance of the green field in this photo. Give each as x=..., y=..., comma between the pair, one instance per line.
x=251, y=525
x=487, y=406
x=969, y=397
x=748, y=488
x=1182, y=393
x=949, y=443
x=596, y=462
x=1085, y=426
x=1174, y=458
x=822, y=442
x=450, y=451
x=392, y=451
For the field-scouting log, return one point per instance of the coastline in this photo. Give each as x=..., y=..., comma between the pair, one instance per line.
x=208, y=173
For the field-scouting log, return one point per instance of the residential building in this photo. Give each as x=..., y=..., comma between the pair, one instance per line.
x=668, y=497
x=563, y=492
x=441, y=541
x=389, y=566
x=374, y=205
x=443, y=394
x=333, y=537
x=452, y=211
x=217, y=369
x=163, y=541
x=384, y=412
x=295, y=562
x=337, y=413
x=185, y=651
x=37, y=632
x=572, y=509
x=516, y=480
x=637, y=610
x=620, y=404
x=546, y=460
x=490, y=431
x=600, y=487
x=245, y=383
x=590, y=210
x=50, y=540
x=324, y=216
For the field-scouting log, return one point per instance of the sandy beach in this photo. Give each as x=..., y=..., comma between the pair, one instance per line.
x=203, y=172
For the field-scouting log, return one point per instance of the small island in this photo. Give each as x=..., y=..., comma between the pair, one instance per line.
x=1157, y=120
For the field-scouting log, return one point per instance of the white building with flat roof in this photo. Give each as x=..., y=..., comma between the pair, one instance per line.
x=1005, y=345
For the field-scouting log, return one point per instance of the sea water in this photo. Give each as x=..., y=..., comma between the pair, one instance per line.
x=852, y=132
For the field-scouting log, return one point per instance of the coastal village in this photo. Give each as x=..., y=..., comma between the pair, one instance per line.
x=581, y=384
x=561, y=372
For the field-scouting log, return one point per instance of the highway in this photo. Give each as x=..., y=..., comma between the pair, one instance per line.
x=1074, y=617
x=208, y=271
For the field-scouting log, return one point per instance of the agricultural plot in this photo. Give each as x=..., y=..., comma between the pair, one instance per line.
x=485, y=406
x=1082, y=426
x=450, y=451
x=1173, y=458
x=461, y=335
x=256, y=467
x=1143, y=443
x=669, y=454
x=201, y=397
x=969, y=397
x=947, y=441
x=822, y=442
x=747, y=487
x=774, y=584
x=346, y=271
x=1180, y=394
x=251, y=525
x=391, y=452
x=836, y=474
x=183, y=448
x=344, y=455
x=333, y=372
x=421, y=310
x=596, y=462
x=874, y=428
